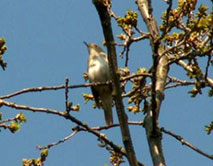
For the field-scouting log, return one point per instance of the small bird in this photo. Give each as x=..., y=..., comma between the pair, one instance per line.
x=99, y=72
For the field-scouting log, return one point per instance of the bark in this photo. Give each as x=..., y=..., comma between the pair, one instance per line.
x=159, y=75
x=110, y=43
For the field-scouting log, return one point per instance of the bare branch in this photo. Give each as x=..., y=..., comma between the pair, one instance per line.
x=136, y=75
x=137, y=123
x=77, y=129
x=184, y=142
x=33, y=89
x=46, y=88
x=33, y=109
x=66, y=95
x=178, y=82
x=7, y=120
x=207, y=67
x=5, y=126
x=58, y=142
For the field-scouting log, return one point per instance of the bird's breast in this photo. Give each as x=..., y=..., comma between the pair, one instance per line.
x=98, y=71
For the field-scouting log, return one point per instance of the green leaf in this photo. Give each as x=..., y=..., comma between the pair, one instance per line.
x=44, y=153
x=14, y=126
x=21, y=117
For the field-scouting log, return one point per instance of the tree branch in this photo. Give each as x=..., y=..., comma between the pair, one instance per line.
x=46, y=88
x=184, y=142
x=159, y=76
x=188, y=68
x=136, y=123
x=77, y=129
x=67, y=95
x=105, y=19
x=58, y=142
x=178, y=82
x=68, y=117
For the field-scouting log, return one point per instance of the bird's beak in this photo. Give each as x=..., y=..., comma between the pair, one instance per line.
x=86, y=44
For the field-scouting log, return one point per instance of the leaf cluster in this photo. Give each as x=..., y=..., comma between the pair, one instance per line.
x=3, y=48
x=36, y=162
x=13, y=124
x=129, y=20
x=140, y=92
x=209, y=128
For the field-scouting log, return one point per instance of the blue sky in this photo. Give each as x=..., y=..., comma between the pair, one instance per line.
x=45, y=45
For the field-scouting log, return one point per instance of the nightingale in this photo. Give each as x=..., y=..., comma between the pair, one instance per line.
x=99, y=72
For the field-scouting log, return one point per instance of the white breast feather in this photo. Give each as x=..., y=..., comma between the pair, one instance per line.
x=98, y=70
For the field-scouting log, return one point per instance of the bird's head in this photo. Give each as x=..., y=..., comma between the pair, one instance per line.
x=93, y=48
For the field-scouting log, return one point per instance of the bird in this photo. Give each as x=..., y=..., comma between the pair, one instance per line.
x=99, y=72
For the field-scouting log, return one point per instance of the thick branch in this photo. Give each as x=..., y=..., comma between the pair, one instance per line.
x=110, y=43
x=159, y=75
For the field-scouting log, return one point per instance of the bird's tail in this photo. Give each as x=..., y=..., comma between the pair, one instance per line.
x=106, y=100
x=108, y=116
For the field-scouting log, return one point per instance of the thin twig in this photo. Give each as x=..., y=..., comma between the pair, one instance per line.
x=5, y=126
x=29, y=108
x=169, y=27
x=8, y=120
x=178, y=82
x=58, y=142
x=207, y=67
x=33, y=89
x=136, y=123
x=136, y=75
x=188, y=68
x=127, y=53
x=66, y=94
x=45, y=88
x=184, y=142
x=48, y=88
x=76, y=130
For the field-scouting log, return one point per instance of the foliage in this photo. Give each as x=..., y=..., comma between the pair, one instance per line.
x=209, y=128
x=3, y=48
x=36, y=162
x=128, y=21
x=13, y=124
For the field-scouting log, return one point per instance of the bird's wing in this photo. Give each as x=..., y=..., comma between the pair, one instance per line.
x=96, y=96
